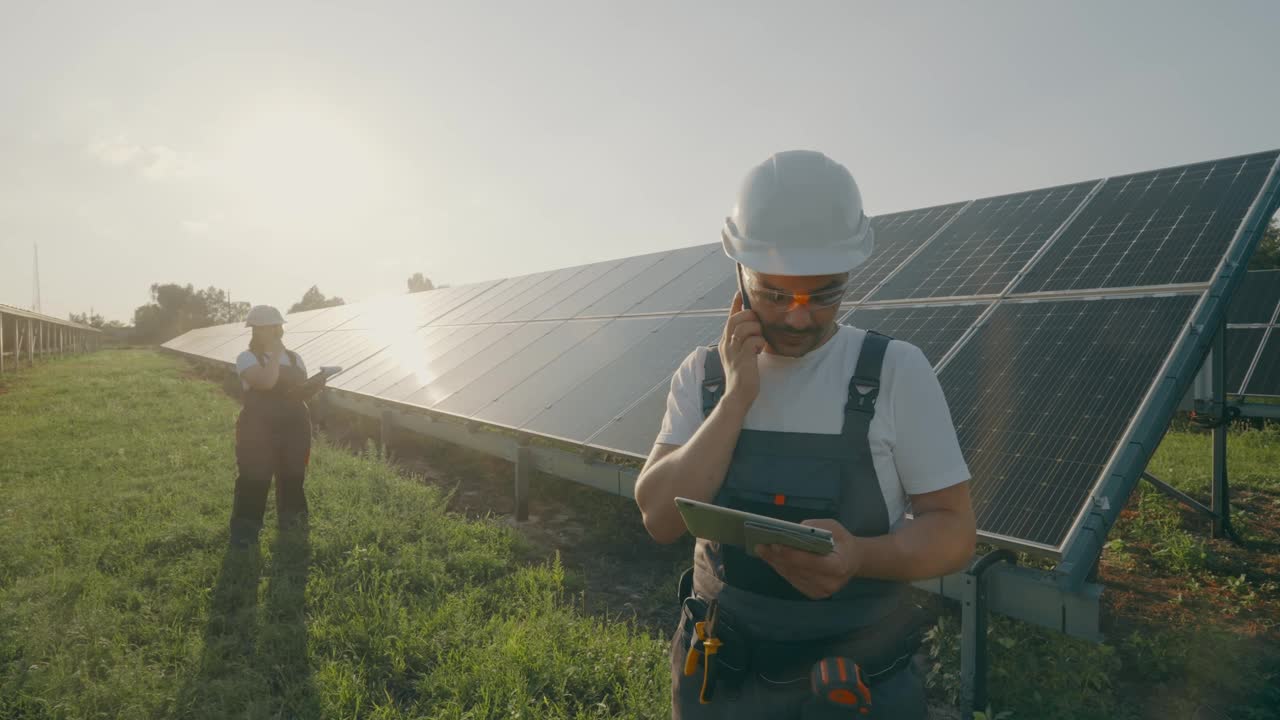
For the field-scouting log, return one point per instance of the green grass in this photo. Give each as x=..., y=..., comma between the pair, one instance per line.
x=119, y=598
x=1191, y=622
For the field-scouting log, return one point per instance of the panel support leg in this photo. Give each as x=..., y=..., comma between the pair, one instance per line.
x=524, y=469
x=1221, y=492
x=388, y=427
x=973, y=633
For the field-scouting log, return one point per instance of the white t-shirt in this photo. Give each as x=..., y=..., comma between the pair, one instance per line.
x=246, y=360
x=913, y=441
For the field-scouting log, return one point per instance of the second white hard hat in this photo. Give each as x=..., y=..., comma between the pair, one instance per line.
x=263, y=315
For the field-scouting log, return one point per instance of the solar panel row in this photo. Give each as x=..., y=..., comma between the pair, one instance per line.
x=1041, y=387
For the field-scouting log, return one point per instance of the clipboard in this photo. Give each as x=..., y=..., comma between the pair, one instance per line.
x=746, y=530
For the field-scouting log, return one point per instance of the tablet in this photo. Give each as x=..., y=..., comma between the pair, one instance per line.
x=312, y=383
x=746, y=530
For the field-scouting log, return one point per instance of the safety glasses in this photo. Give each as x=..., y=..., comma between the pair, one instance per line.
x=780, y=300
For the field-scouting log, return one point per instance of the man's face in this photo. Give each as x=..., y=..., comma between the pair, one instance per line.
x=787, y=305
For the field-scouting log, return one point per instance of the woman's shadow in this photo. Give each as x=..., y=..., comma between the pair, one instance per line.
x=255, y=661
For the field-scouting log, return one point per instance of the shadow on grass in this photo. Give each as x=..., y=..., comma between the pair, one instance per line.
x=255, y=661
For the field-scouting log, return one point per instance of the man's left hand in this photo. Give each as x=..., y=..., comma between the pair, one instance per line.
x=817, y=576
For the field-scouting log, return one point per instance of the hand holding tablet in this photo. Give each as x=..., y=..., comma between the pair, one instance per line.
x=747, y=530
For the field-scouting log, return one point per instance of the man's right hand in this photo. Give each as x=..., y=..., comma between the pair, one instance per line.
x=740, y=347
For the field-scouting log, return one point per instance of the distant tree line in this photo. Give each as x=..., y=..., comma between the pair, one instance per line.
x=175, y=309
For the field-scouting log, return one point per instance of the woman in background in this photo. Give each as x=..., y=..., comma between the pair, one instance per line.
x=273, y=432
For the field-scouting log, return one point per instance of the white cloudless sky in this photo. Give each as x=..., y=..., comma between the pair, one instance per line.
x=266, y=147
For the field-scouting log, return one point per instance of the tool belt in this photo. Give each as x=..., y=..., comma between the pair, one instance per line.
x=879, y=649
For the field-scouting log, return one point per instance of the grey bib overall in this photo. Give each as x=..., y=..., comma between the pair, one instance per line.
x=273, y=438
x=780, y=633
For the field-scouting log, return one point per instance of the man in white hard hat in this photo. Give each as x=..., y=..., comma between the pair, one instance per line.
x=273, y=432
x=800, y=418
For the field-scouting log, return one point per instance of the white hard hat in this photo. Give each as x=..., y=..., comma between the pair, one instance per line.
x=263, y=315
x=798, y=213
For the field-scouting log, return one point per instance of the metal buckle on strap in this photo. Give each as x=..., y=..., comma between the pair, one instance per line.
x=860, y=401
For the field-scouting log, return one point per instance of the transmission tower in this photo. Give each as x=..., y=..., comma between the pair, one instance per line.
x=35, y=299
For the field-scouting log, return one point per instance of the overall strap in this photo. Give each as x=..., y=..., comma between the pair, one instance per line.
x=712, y=381
x=864, y=386
x=262, y=359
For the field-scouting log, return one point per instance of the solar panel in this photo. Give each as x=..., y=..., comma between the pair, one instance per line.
x=604, y=395
x=398, y=361
x=550, y=383
x=707, y=275
x=1040, y=395
x=528, y=294
x=633, y=431
x=897, y=236
x=932, y=328
x=1256, y=298
x=444, y=359
x=411, y=366
x=500, y=296
x=986, y=246
x=481, y=387
x=647, y=283
x=317, y=321
x=480, y=362
x=1242, y=345
x=1154, y=228
x=1265, y=379
x=565, y=290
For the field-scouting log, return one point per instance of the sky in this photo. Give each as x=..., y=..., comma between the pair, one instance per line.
x=266, y=147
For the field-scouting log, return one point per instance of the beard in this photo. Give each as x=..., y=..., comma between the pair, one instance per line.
x=789, y=342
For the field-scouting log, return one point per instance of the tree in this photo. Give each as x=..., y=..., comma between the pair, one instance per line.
x=219, y=307
x=420, y=283
x=1267, y=256
x=313, y=299
x=174, y=309
x=91, y=318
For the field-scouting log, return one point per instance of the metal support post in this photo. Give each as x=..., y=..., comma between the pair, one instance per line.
x=1221, y=491
x=973, y=633
x=524, y=469
x=388, y=430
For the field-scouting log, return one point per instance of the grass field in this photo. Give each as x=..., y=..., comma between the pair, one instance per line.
x=118, y=597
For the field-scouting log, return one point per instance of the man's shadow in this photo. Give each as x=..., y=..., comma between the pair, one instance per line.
x=254, y=662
